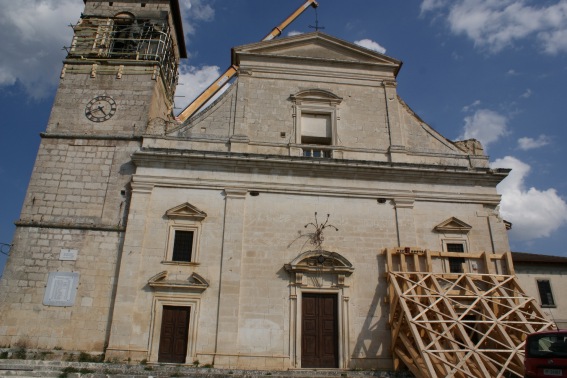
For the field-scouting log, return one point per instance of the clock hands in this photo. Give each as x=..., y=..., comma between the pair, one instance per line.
x=100, y=108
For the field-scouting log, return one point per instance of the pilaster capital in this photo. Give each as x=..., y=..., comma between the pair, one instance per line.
x=235, y=192
x=404, y=203
x=389, y=83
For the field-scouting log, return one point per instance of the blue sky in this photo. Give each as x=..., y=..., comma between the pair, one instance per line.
x=494, y=70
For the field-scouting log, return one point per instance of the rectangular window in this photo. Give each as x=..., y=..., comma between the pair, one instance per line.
x=316, y=129
x=182, y=246
x=455, y=263
x=544, y=288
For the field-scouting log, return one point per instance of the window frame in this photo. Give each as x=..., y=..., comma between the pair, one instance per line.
x=195, y=228
x=546, y=305
x=316, y=110
x=316, y=102
x=464, y=243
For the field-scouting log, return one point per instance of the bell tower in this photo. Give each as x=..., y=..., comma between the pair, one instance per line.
x=118, y=77
x=121, y=68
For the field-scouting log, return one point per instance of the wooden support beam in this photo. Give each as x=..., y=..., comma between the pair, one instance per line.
x=461, y=324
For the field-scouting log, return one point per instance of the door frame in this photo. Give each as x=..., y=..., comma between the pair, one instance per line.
x=320, y=295
x=297, y=324
x=177, y=314
x=319, y=272
x=157, y=314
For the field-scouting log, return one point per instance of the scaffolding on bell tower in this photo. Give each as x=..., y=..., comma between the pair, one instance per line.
x=124, y=38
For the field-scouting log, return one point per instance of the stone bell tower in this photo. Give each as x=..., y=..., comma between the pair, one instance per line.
x=118, y=77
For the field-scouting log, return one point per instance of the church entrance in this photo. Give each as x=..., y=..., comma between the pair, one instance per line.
x=174, y=334
x=319, y=340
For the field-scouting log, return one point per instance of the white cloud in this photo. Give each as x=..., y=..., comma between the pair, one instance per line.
x=497, y=24
x=475, y=104
x=534, y=213
x=554, y=41
x=33, y=34
x=485, y=126
x=531, y=143
x=526, y=94
x=194, y=11
x=193, y=81
x=293, y=32
x=429, y=5
x=371, y=45
x=199, y=10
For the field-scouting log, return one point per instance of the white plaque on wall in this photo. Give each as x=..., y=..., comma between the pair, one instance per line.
x=61, y=289
x=68, y=254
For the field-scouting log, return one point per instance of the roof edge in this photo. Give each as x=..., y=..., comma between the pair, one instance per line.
x=178, y=21
x=537, y=258
x=396, y=64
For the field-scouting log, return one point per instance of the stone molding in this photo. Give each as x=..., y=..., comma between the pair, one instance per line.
x=186, y=211
x=387, y=170
x=235, y=192
x=453, y=225
x=46, y=135
x=404, y=203
x=70, y=226
x=146, y=183
x=194, y=283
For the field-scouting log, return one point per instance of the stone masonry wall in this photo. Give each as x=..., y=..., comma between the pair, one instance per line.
x=79, y=181
x=132, y=94
x=35, y=254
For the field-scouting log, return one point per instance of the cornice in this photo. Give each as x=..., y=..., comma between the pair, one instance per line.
x=309, y=69
x=362, y=169
x=142, y=182
x=70, y=226
x=90, y=136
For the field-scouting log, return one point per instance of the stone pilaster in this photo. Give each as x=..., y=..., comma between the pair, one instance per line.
x=397, y=143
x=405, y=223
x=231, y=267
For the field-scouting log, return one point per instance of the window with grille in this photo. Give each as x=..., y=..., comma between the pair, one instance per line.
x=544, y=288
x=316, y=117
x=182, y=246
x=455, y=263
x=316, y=130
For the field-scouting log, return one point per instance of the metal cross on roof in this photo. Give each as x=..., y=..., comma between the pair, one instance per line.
x=316, y=27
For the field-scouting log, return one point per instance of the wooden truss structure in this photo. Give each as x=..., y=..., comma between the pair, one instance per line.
x=472, y=323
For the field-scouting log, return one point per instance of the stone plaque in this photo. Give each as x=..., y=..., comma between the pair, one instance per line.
x=68, y=254
x=61, y=289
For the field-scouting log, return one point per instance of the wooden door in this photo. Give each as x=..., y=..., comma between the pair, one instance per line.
x=319, y=340
x=174, y=334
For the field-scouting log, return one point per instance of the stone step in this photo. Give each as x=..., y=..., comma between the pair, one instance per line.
x=48, y=369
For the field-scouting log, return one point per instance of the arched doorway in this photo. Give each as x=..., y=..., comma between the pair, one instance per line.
x=319, y=306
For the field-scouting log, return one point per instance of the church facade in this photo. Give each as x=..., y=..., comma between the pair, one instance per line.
x=251, y=235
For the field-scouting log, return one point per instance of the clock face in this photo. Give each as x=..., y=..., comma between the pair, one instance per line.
x=100, y=108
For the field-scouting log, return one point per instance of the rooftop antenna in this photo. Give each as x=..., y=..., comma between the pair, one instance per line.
x=316, y=27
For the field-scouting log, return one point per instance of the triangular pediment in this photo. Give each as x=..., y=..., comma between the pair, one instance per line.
x=186, y=211
x=317, y=46
x=194, y=283
x=453, y=225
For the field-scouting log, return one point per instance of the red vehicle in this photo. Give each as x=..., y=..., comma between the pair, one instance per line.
x=546, y=354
